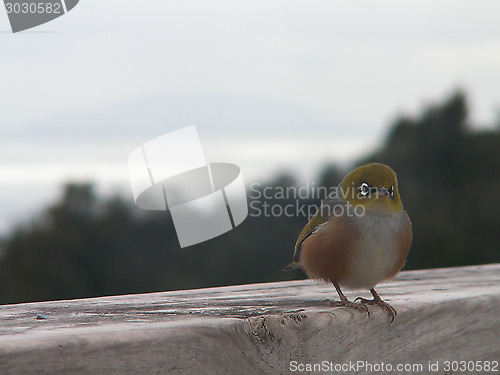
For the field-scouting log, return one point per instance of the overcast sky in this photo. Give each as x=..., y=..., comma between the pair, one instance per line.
x=270, y=85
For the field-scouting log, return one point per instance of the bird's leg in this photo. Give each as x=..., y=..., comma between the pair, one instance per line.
x=378, y=301
x=345, y=302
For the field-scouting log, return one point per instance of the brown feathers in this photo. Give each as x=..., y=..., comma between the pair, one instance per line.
x=403, y=242
x=327, y=254
x=357, y=249
x=357, y=253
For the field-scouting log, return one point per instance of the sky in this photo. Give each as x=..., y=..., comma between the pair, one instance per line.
x=272, y=86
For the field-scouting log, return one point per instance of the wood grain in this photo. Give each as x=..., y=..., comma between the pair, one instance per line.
x=443, y=314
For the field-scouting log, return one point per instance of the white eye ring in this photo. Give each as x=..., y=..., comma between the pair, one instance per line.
x=364, y=189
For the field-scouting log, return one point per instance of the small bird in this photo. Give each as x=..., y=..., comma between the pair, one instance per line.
x=359, y=237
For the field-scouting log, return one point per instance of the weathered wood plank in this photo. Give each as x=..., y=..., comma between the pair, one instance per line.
x=443, y=314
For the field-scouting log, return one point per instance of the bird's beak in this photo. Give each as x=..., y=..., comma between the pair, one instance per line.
x=383, y=192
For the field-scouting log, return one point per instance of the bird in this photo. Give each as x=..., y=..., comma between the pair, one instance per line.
x=360, y=236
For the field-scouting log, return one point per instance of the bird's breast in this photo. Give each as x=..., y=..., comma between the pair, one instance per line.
x=381, y=249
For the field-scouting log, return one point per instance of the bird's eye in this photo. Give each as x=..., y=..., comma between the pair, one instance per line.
x=364, y=189
x=391, y=191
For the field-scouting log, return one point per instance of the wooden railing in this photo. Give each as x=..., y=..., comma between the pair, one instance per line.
x=445, y=316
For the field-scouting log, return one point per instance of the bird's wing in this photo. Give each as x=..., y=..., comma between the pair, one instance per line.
x=326, y=210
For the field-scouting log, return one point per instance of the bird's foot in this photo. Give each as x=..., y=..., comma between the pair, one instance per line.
x=357, y=306
x=378, y=301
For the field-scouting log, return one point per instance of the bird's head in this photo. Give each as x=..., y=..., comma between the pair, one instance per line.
x=373, y=186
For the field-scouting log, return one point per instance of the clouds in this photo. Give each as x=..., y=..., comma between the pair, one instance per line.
x=133, y=70
x=277, y=84
x=329, y=58
x=120, y=73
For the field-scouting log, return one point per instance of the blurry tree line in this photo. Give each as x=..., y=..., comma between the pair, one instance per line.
x=85, y=245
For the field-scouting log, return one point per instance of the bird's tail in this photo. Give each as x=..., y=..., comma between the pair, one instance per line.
x=292, y=266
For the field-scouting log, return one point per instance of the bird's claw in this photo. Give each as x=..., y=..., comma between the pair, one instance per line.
x=357, y=306
x=391, y=310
